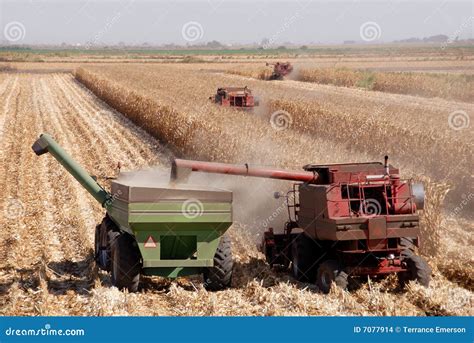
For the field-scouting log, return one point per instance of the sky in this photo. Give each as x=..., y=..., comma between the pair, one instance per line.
x=230, y=22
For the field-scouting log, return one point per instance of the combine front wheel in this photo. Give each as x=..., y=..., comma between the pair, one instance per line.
x=302, y=258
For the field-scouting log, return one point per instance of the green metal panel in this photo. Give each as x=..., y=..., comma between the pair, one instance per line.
x=172, y=242
x=172, y=272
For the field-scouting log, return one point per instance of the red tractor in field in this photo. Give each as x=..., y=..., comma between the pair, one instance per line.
x=239, y=97
x=345, y=221
x=280, y=70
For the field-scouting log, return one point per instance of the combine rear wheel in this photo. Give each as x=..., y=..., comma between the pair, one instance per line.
x=328, y=272
x=219, y=276
x=303, y=258
x=126, y=261
x=417, y=270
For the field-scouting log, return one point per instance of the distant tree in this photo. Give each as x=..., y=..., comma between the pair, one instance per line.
x=304, y=47
x=214, y=44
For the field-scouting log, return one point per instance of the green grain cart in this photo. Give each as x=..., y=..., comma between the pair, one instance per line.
x=153, y=229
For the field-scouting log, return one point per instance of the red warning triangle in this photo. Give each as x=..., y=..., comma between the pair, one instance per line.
x=150, y=242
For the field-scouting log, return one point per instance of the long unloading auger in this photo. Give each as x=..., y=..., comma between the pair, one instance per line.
x=180, y=170
x=45, y=143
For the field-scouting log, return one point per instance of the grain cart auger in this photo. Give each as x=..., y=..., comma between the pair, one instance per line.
x=156, y=229
x=345, y=221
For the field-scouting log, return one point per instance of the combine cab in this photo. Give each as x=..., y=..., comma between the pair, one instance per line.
x=280, y=70
x=239, y=97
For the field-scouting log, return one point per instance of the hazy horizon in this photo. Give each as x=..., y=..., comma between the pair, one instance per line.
x=230, y=22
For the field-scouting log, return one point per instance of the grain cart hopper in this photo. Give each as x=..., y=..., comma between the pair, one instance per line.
x=155, y=229
x=280, y=70
x=345, y=220
x=237, y=97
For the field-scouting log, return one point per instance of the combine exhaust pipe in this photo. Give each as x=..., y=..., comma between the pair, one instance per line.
x=180, y=170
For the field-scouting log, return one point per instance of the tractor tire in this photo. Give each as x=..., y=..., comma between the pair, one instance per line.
x=97, y=247
x=126, y=263
x=407, y=244
x=103, y=256
x=219, y=276
x=303, y=258
x=418, y=270
x=328, y=272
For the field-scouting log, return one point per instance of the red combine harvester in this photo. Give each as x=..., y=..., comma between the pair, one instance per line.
x=345, y=221
x=239, y=97
x=280, y=70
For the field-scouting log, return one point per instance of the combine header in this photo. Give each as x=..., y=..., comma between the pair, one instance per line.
x=280, y=70
x=156, y=229
x=345, y=220
x=238, y=97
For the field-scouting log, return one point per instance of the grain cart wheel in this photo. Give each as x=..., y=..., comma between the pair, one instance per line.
x=126, y=261
x=302, y=258
x=102, y=253
x=328, y=272
x=219, y=276
x=417, y=270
